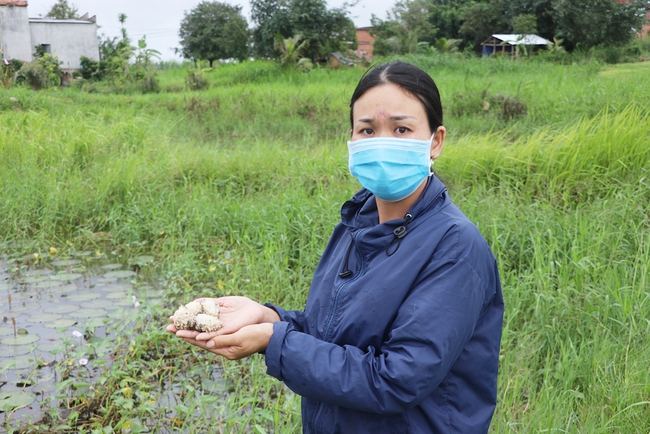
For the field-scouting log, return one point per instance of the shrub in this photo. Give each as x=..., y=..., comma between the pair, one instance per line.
x=40, y=73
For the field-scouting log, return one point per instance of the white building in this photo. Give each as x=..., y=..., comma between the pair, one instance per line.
x=66, y=39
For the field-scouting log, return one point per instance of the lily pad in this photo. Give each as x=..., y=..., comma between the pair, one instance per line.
x=84, y=296
x=119, y=274
x=5, y=286
x=47, y=284
x=49, y=346
x=98, y=303
x=11, y=399
x=65, y=262
x=141, y=260
x=33, y=279
x=111, y=267
x=60, y=323
x=17, y=363
x=15, y=350
x=44, y=317
x=6, y=330
x=65, y=289
x=44, y=388
x=116, y=287
x=118, y=296
x=20, y=340
x=60, y=308
x=88, y=313
x=84, y=254
x=67, y=277
x=37, y=272
x=23, y=307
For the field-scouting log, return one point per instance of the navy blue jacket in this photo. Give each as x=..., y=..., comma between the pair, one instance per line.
x=408, y=340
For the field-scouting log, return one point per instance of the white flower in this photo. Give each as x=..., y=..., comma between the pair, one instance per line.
x=133, y=297
x=136, y=304
x=77, y=334
x=83, y=362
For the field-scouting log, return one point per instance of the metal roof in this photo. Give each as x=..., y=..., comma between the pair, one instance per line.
x=523, y=39
x=57, y=21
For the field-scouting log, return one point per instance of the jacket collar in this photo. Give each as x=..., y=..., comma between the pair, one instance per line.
x=361, y=211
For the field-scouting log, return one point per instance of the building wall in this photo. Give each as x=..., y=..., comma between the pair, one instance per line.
x=68, y=40
x=366, y=43
x=14, y=31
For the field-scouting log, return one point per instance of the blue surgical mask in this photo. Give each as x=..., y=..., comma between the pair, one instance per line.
x=391, y=168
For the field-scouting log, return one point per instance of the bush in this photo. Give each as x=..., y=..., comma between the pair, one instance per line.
x=40, y=73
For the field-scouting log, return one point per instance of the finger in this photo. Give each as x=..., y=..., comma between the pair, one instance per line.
x=191, y=334
x=171, y=328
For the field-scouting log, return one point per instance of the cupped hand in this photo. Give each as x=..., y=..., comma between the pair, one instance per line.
x=248, y=340
x=235, y=313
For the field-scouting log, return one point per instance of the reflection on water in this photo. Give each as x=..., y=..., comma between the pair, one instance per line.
x=59, y=313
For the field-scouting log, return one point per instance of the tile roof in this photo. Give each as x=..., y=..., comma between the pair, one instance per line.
x=13, y=2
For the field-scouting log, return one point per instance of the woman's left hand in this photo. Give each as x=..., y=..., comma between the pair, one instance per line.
x=244, y=342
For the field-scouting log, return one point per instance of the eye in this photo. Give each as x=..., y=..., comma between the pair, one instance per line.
x=401, y=130
x=367, y=131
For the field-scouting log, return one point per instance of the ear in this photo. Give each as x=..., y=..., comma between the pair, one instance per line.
x=350, y=132
x=438, y=141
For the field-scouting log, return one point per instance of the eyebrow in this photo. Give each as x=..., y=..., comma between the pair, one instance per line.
x=392, y=118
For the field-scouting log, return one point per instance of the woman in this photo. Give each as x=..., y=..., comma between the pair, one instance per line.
x=402, y=326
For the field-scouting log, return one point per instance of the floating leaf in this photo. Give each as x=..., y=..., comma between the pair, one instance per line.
x=116, y=287
x=67, y=277
x=44, y=317
x=98, y=303
x=118, y=295
x=11, y=399
x=20, y=340
x=60, y=323
x=60, y=308
x=119, y=274
x=48, y=284
x=17, y=363
x=15, y=350
x=65, y=262
x=65, y=289
x=84, y=296
x=84, y=254
x=6, y=331
x=33, y=279
x=111, y=267
x=141, y=260
x=5, y=286
x=48, y=346
x=88, y=313
x=23, y=307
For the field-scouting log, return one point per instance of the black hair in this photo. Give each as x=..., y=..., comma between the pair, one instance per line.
x=410, y=78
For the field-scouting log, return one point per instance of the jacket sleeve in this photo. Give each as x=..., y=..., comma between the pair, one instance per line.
x=294, y=317
x=432, y=327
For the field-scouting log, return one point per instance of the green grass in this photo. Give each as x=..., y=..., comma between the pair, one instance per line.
x=235, y=190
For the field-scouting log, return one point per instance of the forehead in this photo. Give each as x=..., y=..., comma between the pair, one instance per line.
x=387, y=100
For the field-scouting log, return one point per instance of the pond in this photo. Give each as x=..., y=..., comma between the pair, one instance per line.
x=56, y=315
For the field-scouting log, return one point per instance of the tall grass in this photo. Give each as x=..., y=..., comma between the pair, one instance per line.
x=235, y=190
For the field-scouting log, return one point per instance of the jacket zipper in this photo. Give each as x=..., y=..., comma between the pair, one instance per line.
x=355, y=237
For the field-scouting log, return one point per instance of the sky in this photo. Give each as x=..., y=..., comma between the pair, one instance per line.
x=160, y=20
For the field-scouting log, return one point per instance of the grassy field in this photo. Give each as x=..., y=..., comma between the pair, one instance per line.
x=235, y=190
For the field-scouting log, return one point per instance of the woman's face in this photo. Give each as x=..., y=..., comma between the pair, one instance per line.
x=388, y=111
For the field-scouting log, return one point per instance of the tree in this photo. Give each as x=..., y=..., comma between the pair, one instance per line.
x=589, y=23
x=63, y=11
x=405, y=29
x=482, y=20
x=212, y=31
x=325, y=30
